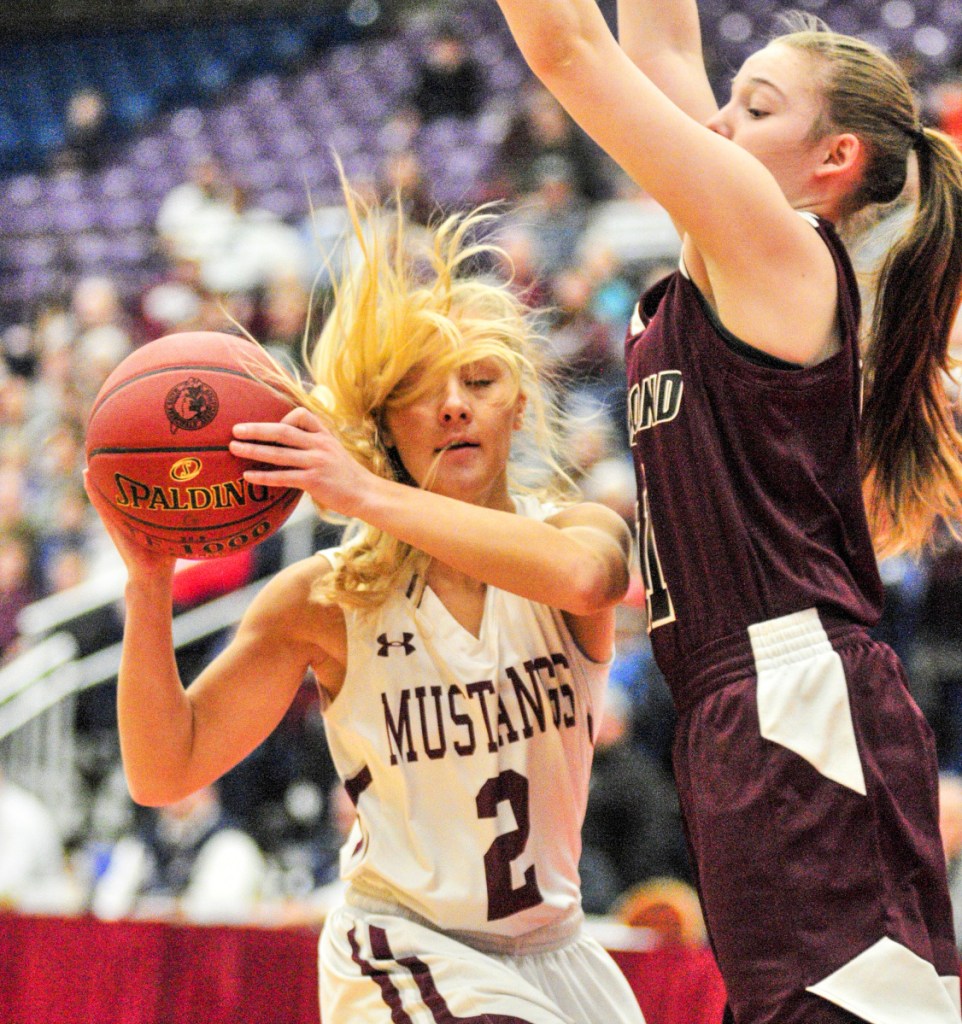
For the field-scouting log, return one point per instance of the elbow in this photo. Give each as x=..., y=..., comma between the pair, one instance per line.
x=553, y=52
x=151, y=792
x=591, y=590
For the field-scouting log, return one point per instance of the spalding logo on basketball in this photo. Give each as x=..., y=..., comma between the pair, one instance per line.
x=157, y=445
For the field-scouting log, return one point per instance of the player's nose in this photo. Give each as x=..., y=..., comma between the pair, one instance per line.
x=718, y=123
x=455, y=405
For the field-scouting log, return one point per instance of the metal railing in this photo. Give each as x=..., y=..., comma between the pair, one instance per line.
x=39, y=687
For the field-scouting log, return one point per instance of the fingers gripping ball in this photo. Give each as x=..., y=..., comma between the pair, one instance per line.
x=157, y=445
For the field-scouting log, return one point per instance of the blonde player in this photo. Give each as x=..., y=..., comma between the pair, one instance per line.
x=460, y=639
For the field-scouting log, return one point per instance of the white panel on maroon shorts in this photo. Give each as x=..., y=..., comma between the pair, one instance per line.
x=803, y=696
x=889, y=984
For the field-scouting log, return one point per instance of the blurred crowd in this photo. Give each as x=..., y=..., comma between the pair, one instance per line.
x=581, y=242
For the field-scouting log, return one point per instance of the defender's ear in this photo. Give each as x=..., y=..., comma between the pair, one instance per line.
x=844, y=153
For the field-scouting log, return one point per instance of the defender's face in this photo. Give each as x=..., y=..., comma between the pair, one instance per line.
x=773, y=111
x=456, y=438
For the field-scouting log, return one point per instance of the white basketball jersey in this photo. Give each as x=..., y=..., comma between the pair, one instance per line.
x=468, y=759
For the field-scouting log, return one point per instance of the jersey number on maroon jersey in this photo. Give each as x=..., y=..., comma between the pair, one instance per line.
x=503, y=899
x=661, y=611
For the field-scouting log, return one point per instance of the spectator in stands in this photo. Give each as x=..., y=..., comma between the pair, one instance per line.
x=937, y=671
x=947, y=103
x=69, y=525
x=172, y=302
x=13, y=486
x=18, y=586
x=256, y=246
x=950, y=825
x=328, y=239
x=23, y=420
x=102, y=332
x=518, y=260
x=18, y=346
x=403, y=181
x=195, y=216
x=310, y=860
x=91, y=131
x=60, y=387
x=55, y=468
x=632, y=830
x=583, y=350
x=688, y=987
x=553, y=213
x=540, y=128
x=33, y=873
x=450, y=81
x=632, y=228
x=188, y=859
x=668, y=906
x=286, y=312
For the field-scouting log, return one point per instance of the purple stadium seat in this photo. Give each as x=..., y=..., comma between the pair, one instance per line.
x=70, y=217
x=92, y=250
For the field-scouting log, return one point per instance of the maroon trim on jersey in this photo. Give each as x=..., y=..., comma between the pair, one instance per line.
x=356, y=785
x=433, y=1000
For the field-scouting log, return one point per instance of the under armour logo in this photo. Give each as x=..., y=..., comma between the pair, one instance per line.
x=386, y=645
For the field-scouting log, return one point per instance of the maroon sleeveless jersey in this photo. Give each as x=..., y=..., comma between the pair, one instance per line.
x=749, y=492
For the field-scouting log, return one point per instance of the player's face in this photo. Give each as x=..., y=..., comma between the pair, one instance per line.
x=774, y=107
x=456, y=438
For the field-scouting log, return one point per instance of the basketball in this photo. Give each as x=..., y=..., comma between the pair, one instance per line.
x=157, y=445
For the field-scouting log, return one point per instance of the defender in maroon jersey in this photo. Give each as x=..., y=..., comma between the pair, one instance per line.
x=806, y=772
x=761, y=580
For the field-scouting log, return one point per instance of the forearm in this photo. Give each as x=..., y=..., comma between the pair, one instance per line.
x=154, y=714
x=663, y=38
x=648, y=28
x=580, y=569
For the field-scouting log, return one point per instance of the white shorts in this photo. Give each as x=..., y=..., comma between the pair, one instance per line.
x=379, y=968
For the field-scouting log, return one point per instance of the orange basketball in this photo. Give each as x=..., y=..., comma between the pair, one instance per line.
x=157, y=445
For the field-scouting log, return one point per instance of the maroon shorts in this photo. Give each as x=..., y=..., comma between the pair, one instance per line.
x=809, y=786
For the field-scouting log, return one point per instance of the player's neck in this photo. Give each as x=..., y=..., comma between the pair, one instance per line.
x=462, y=595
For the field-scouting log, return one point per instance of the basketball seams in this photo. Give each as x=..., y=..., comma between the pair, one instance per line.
x=178, y=368
x=170, y=450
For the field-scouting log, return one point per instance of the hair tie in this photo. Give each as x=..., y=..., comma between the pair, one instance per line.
x=917, y=135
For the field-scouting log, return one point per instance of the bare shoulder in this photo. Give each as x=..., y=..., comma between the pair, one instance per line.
x=779, y=294
x=289, y=608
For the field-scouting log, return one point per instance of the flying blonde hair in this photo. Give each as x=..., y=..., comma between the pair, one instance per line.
x=413, y=308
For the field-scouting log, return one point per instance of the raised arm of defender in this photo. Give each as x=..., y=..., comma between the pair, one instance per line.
x=779, y=273
x=663, y=38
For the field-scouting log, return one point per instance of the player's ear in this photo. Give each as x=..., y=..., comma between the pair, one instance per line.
x=844, y=154
x=521, y=403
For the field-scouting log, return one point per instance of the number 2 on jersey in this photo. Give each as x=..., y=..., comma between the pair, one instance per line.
x=661, y=611
x=503, y=898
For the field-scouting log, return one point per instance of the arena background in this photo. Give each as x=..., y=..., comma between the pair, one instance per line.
x=269, y=90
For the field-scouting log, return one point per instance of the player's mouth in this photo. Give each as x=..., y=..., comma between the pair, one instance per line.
x=455, y=446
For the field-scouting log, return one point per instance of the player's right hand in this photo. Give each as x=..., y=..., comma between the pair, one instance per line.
x=136, y=557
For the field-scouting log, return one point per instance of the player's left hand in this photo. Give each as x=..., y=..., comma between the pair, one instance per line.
x=305, y=454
